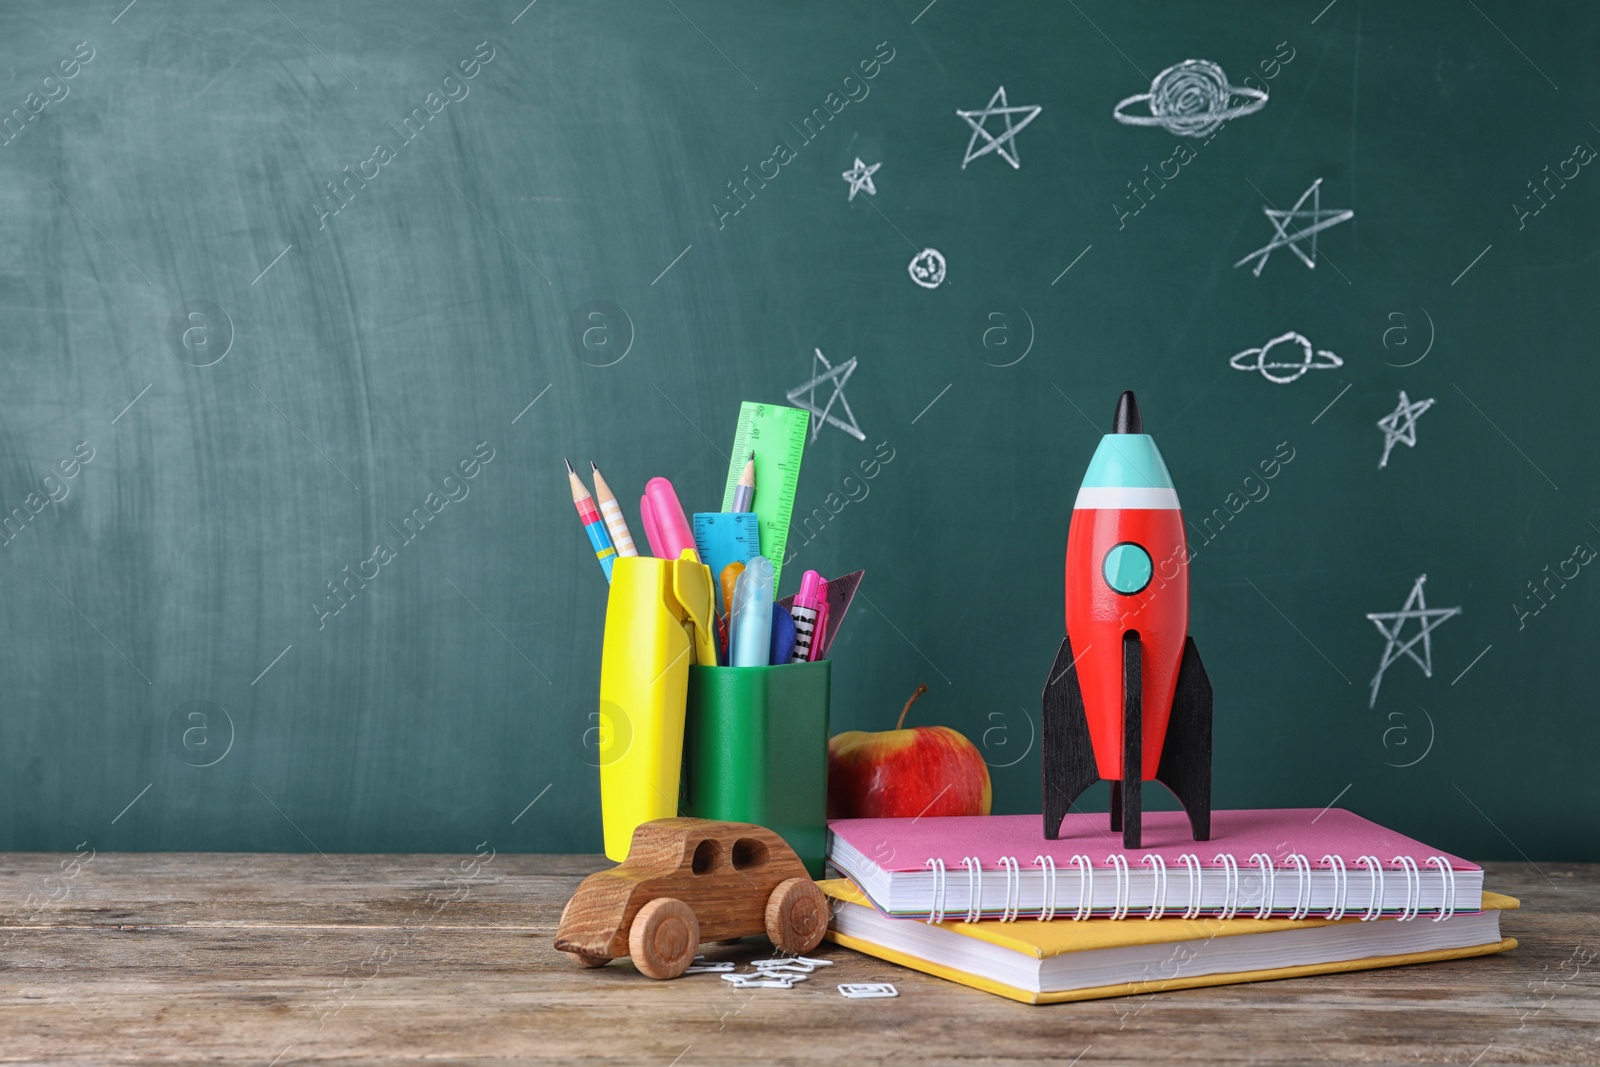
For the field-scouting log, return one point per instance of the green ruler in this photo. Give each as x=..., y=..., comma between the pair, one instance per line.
x=778, y=436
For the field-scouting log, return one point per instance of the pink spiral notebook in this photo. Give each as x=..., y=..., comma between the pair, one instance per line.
x=1290, y=862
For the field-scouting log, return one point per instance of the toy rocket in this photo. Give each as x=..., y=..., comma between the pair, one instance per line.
x=1127, y=698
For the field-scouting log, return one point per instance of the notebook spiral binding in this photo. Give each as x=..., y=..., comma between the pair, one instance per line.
x=1224, y=862
x=1159, y=904
x=1341, y=885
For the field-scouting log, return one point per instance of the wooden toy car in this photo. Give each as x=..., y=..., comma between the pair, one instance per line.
x=691, y=880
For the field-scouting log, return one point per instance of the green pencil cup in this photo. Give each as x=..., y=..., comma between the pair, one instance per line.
x=756, y=750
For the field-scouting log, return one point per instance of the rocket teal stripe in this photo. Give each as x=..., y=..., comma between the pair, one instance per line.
x=1128, y=460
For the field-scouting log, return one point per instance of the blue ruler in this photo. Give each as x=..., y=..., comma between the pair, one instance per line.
x=724, y=537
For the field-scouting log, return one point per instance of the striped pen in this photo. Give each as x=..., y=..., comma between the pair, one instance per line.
x=612, y=512
x=593, y=525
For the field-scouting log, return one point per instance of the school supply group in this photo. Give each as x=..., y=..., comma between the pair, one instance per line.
x=714, y=703
x=698, y=645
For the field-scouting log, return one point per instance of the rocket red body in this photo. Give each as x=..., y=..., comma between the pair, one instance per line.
x=1097, y=616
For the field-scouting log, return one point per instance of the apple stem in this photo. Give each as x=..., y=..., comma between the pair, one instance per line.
x=921, y=688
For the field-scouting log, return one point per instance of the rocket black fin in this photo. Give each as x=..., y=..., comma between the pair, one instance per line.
x=1186, y=754
x=1131, y=808
x=1066, y=752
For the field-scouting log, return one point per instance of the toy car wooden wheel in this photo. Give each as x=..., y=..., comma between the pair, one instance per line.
x=663, y=938
x=797, y=915
x=580, y=957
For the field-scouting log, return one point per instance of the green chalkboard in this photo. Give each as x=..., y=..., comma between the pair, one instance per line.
x=303, y=304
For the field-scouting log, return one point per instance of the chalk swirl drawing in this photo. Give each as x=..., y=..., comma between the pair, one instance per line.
x=1390, y=623
x=976, y=119
x=927, y=268
x=1289, y=364
x=805, y=396
x=1190, y=99
x=1316, y=220
x=860, y=178
x=1400, y=425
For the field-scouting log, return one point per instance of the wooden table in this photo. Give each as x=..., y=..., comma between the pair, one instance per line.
x=281, y=959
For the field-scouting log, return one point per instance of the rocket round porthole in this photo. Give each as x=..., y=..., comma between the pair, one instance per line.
x=1127, y=568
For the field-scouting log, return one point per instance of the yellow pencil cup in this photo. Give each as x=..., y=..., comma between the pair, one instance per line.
x=659, y=618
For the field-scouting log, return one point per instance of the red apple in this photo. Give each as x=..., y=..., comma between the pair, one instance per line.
x=926, y=770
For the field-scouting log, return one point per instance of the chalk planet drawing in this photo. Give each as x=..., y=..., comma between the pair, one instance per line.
x=1290, y=363
x=1190, y=99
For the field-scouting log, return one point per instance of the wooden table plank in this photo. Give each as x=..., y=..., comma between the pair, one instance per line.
x=241, y=958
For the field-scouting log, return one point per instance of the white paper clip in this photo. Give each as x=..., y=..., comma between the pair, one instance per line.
x=868, y=990
x=764, y=980
x=779, y=968
x=708, y=968
x=800, y=964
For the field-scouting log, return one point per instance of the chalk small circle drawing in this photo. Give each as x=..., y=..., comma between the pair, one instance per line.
x=610, y=735
x=927, y=268
x=601, y=333
x=1190, y=99
x=200, y=733
x=1000, y=334
x=1290, y=363
x=201, y=333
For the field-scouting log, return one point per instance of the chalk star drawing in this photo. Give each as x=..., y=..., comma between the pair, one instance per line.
x=976, y=120
x=1286, y=366
x=1191, y=99
x=927, y=268
x=1317, y=218
x=1400, y=425
x=860, y=177
x=1429, y=619
x=805, y=396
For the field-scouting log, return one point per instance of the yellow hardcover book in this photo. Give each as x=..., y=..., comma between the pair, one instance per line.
x=1047, y=962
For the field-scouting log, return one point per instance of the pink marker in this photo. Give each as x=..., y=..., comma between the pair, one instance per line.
x=665, y=527
x=810, y=611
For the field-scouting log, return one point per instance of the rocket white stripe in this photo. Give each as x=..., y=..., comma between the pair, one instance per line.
x=1116, y=496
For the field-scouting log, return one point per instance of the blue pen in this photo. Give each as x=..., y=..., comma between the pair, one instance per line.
x=750, y=628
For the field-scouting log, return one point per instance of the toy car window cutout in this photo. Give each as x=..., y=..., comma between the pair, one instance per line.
x=705, y=856
x=747, y=853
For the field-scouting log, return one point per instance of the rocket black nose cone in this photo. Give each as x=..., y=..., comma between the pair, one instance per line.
x=1127, y=419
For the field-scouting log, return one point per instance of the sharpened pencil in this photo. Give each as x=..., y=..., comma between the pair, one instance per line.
x=593, y=525
x=621, y=536
x=744, y=493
